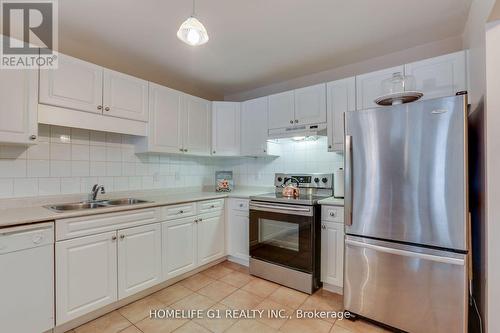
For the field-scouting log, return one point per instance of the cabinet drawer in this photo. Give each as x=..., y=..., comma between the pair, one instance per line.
x=240, y=204
x=210, y=206
x=94, y=224
x=178, y=211
x=332, y=214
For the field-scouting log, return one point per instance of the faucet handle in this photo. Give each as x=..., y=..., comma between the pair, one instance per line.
x=103, y=191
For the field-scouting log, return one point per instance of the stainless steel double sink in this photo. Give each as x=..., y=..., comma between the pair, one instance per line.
x=95, y=204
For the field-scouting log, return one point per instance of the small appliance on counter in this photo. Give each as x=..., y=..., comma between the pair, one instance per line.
x=224, y=181
x=285, y=231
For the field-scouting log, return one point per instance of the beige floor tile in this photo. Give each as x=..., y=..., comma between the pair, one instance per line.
x=217, y=271
x=288, y=297
x=172, y=294
x=140, y=309
x=244, y=270
x=148, y=325
x=112, y=322
x=232, y=265
x=191, y=327
x=271, y=320
x=359, y=326
x=296, y=325
x=339, y=329
x=260, y=287
x=241, y=300
x=131, y=329
x=193, y=302
x=236, y=279
x=217, y=290
x=217, y=325
x=196, y=281
x=250, y=326
x=323, y=300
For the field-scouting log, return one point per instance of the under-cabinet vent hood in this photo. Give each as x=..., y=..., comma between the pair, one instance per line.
x=304, y=130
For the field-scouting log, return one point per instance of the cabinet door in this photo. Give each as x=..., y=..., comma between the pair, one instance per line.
x=332, y=253
x=75, y=84
x=238, y=235
x=211, y=238
x=197, y=125
x=310, y=105
x=179, y=246
x=440, y=76
x=225, y=128
x=281, y=110
x=164, y=119
x=18, y=107
x=341, y=97
x=139, y=259
x=86, y=272
x=125, y=96
x=254, y=127
x=369, y=86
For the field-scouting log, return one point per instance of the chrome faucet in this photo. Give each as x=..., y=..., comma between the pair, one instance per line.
x=95, y=191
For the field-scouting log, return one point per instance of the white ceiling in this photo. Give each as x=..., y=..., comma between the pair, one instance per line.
x=253, y=42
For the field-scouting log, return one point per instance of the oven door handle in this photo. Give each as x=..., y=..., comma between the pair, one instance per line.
x=292, y=209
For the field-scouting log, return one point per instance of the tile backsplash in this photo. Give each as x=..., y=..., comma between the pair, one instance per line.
x=69, y=160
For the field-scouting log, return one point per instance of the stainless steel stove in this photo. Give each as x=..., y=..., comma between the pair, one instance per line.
x=285, y=231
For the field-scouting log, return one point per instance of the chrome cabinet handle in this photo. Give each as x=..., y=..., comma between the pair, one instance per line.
x=106, y=108
x=197, y=220
x=296, y=121
x=181, y=212
x=291, y=121
x=213, y=206
x=348, y=180
x=122, y=236
x=99, y=107
x=241, y=205
x=33, y=137
x=213, y=152
x=180, y=149
x=185, y=150
x=333, y=213
x=323, y=226
x=113, y=238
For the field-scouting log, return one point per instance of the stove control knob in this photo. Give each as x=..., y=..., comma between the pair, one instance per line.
x=324, y=180
x=316, y=180
x=280, y=179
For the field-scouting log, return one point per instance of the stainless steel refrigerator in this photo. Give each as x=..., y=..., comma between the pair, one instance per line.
x=406, y=215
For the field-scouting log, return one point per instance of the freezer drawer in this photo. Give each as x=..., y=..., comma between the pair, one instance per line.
x=414, y=289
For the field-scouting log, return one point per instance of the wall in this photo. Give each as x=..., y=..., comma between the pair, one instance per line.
x=424, y=51
x=70, y=160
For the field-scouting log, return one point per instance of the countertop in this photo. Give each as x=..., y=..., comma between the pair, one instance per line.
x=332, y=201
x=38, y=213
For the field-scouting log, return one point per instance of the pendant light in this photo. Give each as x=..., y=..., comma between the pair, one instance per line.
x=192, y=31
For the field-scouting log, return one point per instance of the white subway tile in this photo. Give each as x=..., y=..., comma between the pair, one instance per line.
x=60, y=168
x=13, y=168
x=60, y=151
x=60, y=134
x=40, y=151
x=70, y=185
x=25, y=187
x=113, y=168
x=80, y=168
x=98, y=153
x=97, y=138
x=13, y=152
x=80, y=136
x=113, y=139
x=80, y=152
x=38, y=168
x=49, y=186
x=43, y=133
x=113, y=154
x=97, y=168
x=6, y=187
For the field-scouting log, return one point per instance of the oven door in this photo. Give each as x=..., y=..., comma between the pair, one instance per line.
x=282, y=234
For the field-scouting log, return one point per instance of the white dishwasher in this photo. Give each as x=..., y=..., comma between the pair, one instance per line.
x=27, y=278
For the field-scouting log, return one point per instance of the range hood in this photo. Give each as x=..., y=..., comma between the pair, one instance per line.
x=294, y=131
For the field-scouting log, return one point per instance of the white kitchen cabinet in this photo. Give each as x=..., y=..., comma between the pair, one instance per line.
x=332, y=254
x=369, y=86
x=225, y=128
x=75, y=84
x=86, y=275
x=211, y=237
x=440, y=76
x=254, y=127
x=341, y=97
x=238, y=234
x=125, y=96
x=197, y=125
x=179, y=242
x=165, y=131
x=310, y=105
x=18, y=107
x=139, y=259
x=281, y=110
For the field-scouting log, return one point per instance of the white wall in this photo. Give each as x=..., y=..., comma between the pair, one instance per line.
x=424, y=51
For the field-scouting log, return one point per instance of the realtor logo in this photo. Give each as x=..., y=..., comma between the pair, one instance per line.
x=29, y=34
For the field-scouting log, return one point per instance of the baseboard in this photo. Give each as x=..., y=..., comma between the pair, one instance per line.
x=333, y=289
x=239, y=260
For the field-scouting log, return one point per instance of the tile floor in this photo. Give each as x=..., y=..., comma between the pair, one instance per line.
x=227, y=286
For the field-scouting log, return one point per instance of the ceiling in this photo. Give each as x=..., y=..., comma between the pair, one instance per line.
x=252, y=43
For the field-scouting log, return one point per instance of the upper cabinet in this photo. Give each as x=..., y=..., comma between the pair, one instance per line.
x=440, y=76
x=125, y=96
x=341, y=97
x=369, y=86
x=197, y=125
x=310, y=105
x=254, y=118
x=75, y=84
x=281, y=110
x=18, y=107
x=226, y=128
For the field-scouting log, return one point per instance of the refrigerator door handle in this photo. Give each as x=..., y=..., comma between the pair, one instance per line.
x=348, y=181
x=445, y=260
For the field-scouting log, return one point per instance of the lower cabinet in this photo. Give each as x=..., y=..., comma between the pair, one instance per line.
x=332, y=253
x=97, y=270
x=238, y=235
x=211, y=236
x=86, y=275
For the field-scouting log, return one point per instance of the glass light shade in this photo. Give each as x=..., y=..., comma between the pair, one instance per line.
x=398, y=83
x=192, y=32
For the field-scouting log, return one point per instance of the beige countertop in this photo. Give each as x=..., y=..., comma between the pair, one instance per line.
x=38, y=213
x=332, y=201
